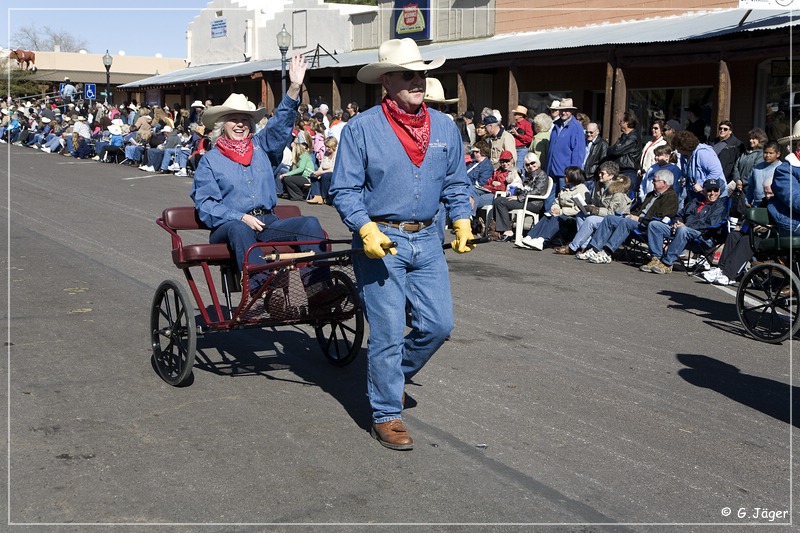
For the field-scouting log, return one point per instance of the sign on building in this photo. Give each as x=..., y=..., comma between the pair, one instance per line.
x=412, y=19
x=219, y=28
x=90, y=91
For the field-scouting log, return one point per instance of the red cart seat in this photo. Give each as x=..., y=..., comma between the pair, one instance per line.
x=183, y=218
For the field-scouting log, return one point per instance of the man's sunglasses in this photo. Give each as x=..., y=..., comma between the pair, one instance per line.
x=408, y=75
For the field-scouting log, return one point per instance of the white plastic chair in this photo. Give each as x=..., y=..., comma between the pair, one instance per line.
x=518, y=216
x=484, y=211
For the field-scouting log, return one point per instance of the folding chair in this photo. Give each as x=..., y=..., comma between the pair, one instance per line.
x=699, y=253
x=519, y=216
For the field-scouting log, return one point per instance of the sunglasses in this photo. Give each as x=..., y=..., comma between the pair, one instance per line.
x=724, y=128
x=408, y=75
x=531, y=164
x=712, y=190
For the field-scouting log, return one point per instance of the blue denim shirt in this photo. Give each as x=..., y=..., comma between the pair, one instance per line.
x=375, y=179
x=224, y=190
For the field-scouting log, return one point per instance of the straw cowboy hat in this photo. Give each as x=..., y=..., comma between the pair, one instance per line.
x=113, y=129
x=395, y=55
x=520, y=110
x=566, y=103
x=795, y=136
x=434, y=93
x=198, y=103
x=236, y=103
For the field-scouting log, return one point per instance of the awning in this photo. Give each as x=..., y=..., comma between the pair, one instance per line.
x=685, y=27
x=83, y=76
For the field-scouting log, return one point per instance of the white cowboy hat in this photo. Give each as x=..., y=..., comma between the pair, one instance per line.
x=434, y=93
x=197, y=103
x=795, y=136
x=555, y=105
x=45, y=120
x=236, y=103
x=114, y=130
x=395, y=55
x=566, y=103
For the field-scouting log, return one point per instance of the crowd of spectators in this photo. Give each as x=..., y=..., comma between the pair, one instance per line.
x=644, y=181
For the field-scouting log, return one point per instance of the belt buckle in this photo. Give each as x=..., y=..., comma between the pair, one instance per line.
x=401, y=226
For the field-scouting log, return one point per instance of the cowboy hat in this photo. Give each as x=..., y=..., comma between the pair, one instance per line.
x=555, y=105
x=566, y=103
x=795, y=136
x=520, y=110
x=113, y=129
x=45, y=120
x=236, y=103
x=434, y=93
x=394, y=55
x=197, y=103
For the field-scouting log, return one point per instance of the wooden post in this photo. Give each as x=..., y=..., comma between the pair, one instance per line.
x=336, y=92
x=620, y=101
x=513, y=94
x=608, y=107
x=461, y=90
x=723, y=94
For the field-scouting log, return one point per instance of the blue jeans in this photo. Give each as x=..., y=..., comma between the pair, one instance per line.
x=657, y=231
x=418, y=275
x=612, y=232
x=481, y=199
x=547, y=227
x=134, y=153
x=521, y=153
x=586, y=227
x=240, y=237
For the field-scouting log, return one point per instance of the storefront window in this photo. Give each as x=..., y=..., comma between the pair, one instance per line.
x=672, y=103
x=781, y=96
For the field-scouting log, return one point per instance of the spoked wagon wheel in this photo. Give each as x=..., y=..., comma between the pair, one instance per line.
x=173, y=332
x=340, y=336
x=767, y=302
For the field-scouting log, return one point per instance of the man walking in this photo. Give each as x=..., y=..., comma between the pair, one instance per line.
x=396, y=163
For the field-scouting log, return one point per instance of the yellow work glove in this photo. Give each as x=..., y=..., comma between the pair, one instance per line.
x=374, y=241
x=463, y=229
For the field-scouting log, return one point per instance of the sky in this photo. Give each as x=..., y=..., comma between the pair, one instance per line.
x=151, y=27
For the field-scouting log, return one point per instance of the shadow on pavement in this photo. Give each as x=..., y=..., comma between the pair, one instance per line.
x=762, y=394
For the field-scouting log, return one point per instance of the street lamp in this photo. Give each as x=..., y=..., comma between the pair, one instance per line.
x=284, y=41
x=107, y=60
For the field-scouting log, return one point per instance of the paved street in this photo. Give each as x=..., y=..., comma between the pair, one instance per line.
x=569, y=393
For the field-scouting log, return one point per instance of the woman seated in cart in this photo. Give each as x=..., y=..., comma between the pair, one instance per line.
x=234, y=188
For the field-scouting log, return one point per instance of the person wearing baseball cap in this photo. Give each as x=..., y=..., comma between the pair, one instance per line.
x=689, y=225
x=396, y=164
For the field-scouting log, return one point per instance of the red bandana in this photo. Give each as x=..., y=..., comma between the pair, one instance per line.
x=238, y=151
x=797, y=154
x=414, y=131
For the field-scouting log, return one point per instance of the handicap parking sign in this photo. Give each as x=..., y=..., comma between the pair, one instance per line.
x=90, y=90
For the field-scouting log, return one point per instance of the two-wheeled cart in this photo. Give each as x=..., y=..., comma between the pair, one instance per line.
x=286, y=297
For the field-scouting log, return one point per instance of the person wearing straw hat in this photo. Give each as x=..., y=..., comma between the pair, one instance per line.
x=522, y=131
x=784, y=206
x=396, y=162
x=234, y=189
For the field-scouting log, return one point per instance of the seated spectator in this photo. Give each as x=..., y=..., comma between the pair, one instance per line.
x=663, y=161
x=484, y=193
x=299, y=176
x=154, y=154
x=688, y=225
x=762, y=173
x=535, y=182
x=114, y=146
x=609, y=197
x=737, y=250
x=660, y=203
x=564, y=209
x=321, y=178
x=201, y=145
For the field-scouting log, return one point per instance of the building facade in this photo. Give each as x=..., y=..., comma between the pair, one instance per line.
x=660, y=56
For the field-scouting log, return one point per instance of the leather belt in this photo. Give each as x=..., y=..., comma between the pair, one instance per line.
x=257, y=212
x=408, y=226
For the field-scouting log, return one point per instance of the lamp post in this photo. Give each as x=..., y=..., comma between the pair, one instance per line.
x=284, y=41
x=107, y=60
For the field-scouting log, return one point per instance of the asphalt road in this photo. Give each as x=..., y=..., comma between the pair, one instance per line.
x=575, y=396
